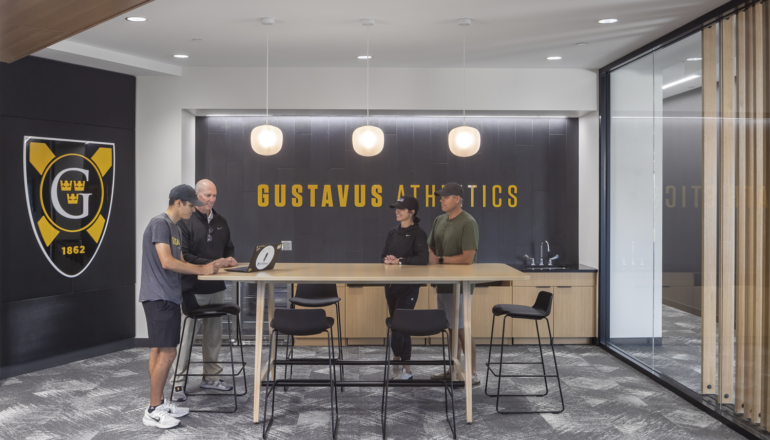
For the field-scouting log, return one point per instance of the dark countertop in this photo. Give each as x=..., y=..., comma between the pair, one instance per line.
x=543, y=269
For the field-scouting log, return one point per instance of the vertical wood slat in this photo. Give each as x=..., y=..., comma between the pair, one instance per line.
x=747, y=367
x=759, y=221
x=742, y=244
x=727, y=211
x=709, y=215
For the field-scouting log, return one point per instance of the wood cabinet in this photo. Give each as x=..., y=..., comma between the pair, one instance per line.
x=573, y=314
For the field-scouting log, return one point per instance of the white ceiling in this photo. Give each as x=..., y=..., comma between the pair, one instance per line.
x=408, y=33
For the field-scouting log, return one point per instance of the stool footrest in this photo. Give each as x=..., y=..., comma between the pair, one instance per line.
x=423, y=383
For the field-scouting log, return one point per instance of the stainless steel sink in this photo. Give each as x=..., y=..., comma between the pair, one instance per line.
x=542, y=268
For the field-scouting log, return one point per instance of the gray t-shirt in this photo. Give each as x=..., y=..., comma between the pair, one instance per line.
x=158, y=283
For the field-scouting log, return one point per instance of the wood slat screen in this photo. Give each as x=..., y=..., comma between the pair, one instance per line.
x=742, y=304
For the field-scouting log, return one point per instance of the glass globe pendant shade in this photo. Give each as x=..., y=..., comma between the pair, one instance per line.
x=368, y=140
x=266, y=140
x=464, y=141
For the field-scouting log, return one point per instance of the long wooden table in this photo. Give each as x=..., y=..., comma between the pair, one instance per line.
x=377, y=273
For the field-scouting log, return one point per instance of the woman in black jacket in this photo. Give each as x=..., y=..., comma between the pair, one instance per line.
x=406, y=244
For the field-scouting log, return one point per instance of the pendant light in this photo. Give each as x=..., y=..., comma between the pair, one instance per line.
x=464, y=141
x=368, y=140
x=266, y=140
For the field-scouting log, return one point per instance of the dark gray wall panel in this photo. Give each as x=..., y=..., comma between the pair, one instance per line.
x=539, y=156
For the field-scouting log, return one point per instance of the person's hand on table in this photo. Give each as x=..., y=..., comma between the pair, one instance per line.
x=220, y=263
x=390, y=259
x=209, y=269
x=231, y=262
x=432, y=258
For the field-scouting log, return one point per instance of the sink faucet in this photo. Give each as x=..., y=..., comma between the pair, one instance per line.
x=531, y=259
x=541, y=250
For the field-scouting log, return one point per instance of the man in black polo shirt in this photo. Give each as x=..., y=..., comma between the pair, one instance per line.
x=205, y=239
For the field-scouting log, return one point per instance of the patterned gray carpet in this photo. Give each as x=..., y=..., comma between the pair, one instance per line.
x=104, y=398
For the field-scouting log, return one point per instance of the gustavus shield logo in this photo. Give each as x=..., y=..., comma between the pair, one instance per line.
x=69, y=188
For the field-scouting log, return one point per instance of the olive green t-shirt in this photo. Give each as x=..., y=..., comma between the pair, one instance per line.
x=451, y=237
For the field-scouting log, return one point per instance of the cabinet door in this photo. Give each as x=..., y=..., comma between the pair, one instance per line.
x=576, y=315
x=525, y=328
x=365, y=312
x=484, y=298
x=331, y=312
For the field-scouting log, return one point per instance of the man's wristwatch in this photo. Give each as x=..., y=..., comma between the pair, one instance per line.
x=440, y=260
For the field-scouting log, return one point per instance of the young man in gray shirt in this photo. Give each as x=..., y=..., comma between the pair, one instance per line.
x=160, y=293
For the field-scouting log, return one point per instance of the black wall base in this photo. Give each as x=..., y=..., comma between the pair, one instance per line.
x=74, y=356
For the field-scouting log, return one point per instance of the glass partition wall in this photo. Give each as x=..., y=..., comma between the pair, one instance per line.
x=684, y=232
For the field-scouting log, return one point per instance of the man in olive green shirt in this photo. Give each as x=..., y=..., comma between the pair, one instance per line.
x=454, y=239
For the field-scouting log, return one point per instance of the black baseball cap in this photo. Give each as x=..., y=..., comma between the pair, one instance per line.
x=185, y=193
x=451, y=189
x=407, y=202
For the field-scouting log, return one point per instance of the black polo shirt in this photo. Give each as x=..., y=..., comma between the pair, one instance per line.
x=196, y=248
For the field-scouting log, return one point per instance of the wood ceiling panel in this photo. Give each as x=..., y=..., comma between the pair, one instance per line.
x=31, y=25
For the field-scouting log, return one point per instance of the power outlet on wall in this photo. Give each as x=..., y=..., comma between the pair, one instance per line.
x=286, y=245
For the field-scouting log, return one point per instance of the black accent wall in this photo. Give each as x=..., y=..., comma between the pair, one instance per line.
x=42, y=313
x=538, y=156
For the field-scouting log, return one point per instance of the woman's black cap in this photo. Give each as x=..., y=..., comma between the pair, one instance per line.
x=407, y=202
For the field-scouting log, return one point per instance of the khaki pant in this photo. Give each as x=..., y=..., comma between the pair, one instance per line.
x=212, y=340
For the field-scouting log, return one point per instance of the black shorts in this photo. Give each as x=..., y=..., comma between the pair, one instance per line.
x=164, y=321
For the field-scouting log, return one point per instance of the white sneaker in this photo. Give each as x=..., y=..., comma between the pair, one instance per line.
x=219, y=385
x=404, y=376
x=173, y=410
x=159, y=419
x=178, y=395
x=441, y=376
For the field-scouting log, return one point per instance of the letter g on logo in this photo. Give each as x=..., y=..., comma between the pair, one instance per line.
x=55, y=197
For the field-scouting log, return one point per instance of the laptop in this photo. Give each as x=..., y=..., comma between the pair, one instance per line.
x=263, y=258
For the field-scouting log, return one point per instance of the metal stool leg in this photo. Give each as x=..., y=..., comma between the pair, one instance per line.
x=332, y=386
x=268, y=389
x=384, y=411
x=339, y=343
x=453, y=425
x=489, y=358
x=232, y=362
x=556, y=367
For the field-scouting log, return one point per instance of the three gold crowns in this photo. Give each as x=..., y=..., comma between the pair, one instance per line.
x=66, y=185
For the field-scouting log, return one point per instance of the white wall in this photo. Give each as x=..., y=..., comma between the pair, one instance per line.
x=160, y=158
x=588, y=197
x=188, y=148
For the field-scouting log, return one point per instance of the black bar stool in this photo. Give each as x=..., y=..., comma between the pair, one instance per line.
x=317, y=295
x=420, y=323
x=540, y=310
x=213, y=311
x=297, y=322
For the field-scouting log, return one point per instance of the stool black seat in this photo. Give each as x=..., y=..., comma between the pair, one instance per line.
x=539, y=311
x=409, y=323
x=194, y=312
x=315, y=296
x=301, y=322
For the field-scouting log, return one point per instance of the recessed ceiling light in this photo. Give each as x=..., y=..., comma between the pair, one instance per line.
x=608, y=20
x=694, y=59
x=582, y=44
x=136, y=19
x=181, y=56
x=364, y=57
x=553, y=58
